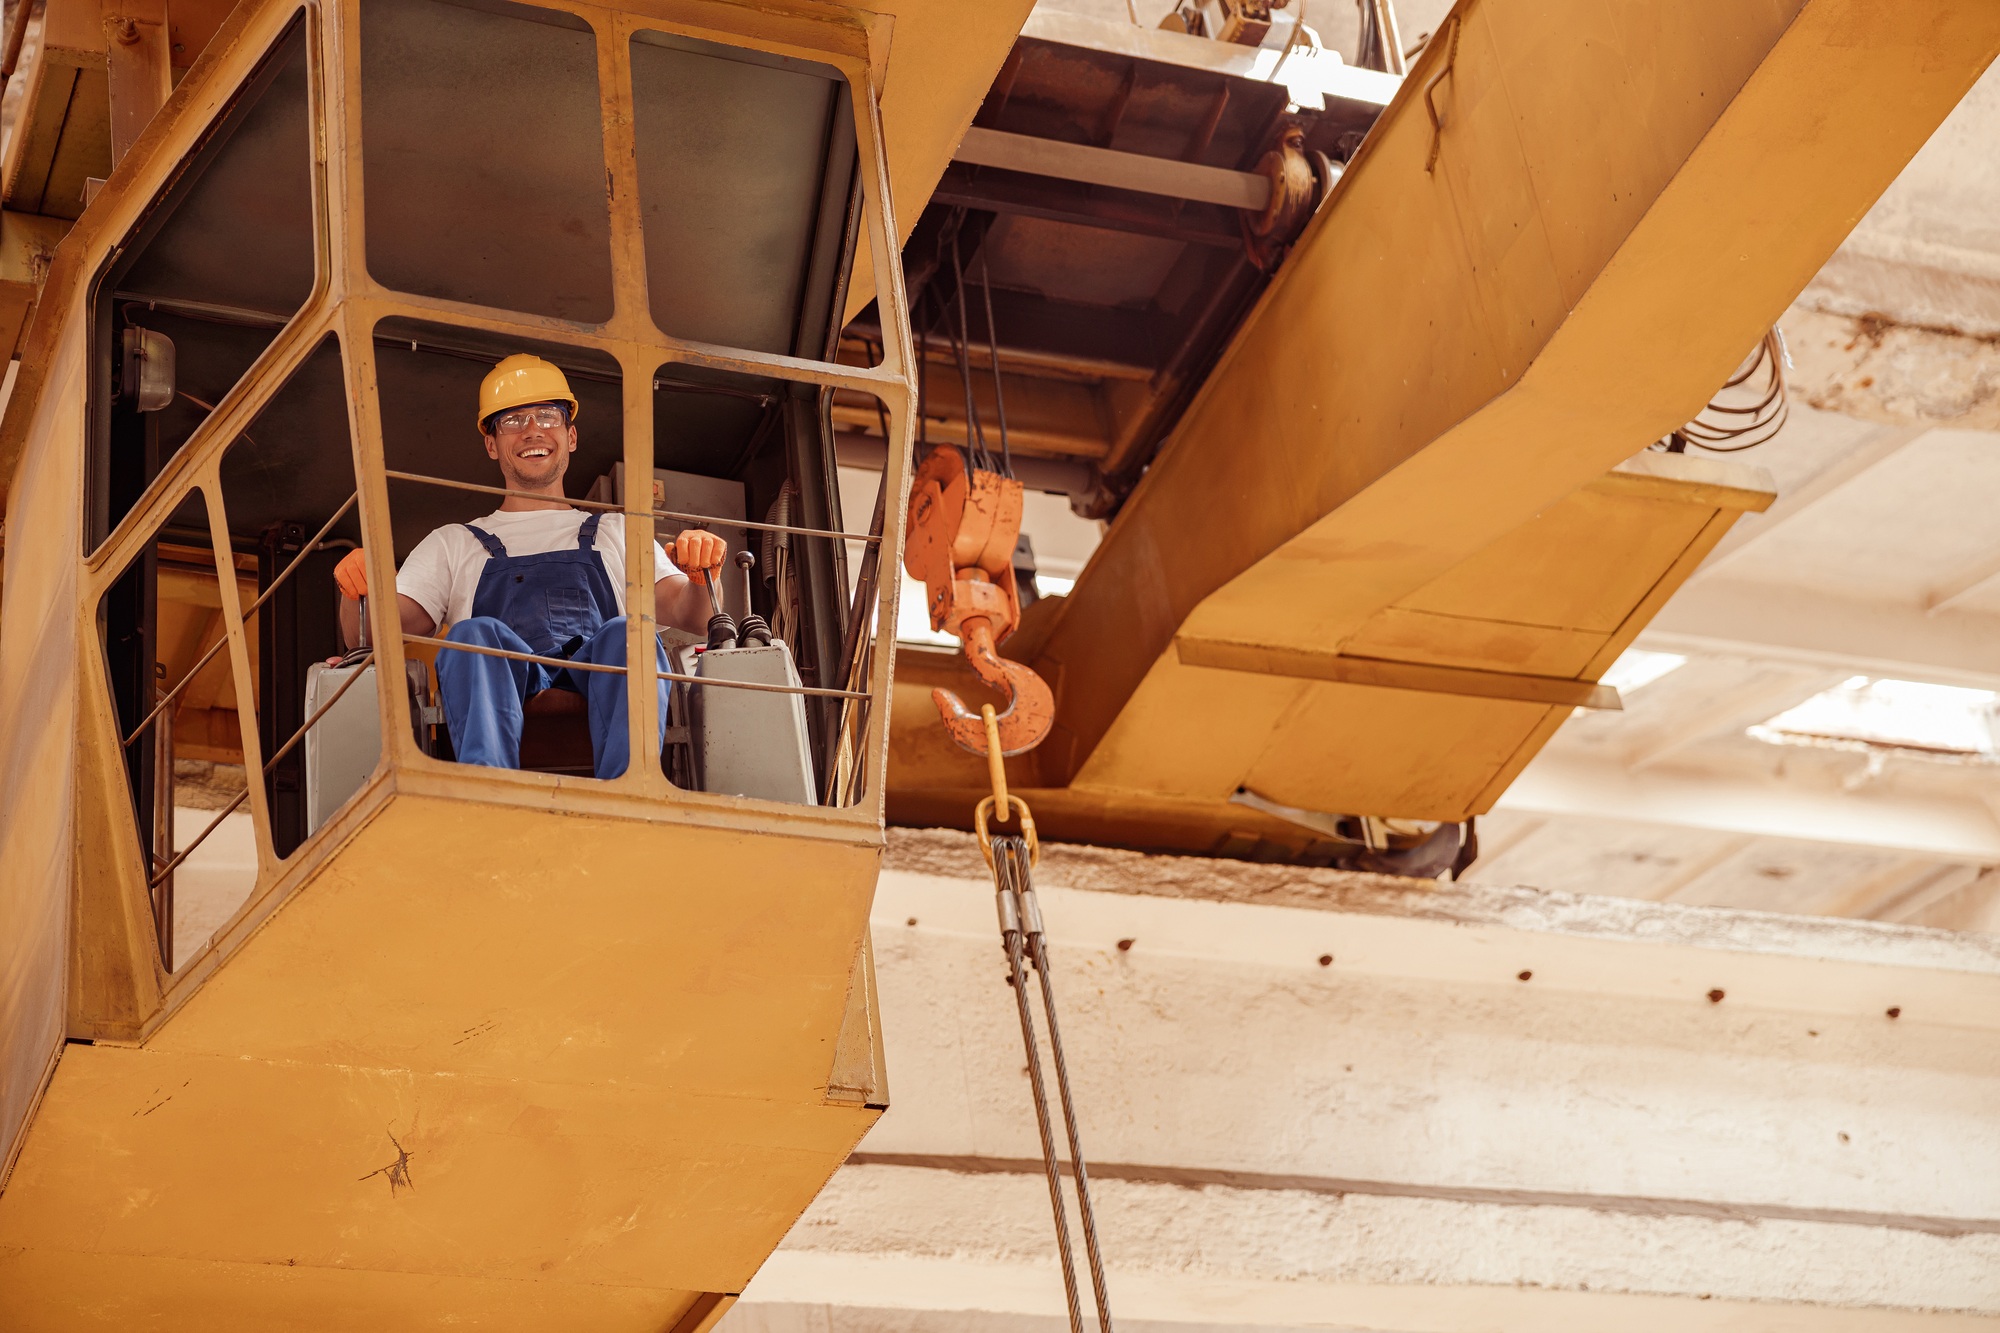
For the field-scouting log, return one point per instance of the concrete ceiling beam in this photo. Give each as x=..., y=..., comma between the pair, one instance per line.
x=1787, y=623
x=1962, y=829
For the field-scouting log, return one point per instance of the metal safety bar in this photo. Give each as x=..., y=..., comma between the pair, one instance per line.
x=569, y=664
x=1027, y=948
x=359, y=669
x=262, y=598
x=599, y=506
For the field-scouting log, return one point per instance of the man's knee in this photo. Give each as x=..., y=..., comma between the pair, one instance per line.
x=606, y=646
x=486, y=631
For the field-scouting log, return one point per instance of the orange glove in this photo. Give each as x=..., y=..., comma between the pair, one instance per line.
x=352, y=575
x=696, y=552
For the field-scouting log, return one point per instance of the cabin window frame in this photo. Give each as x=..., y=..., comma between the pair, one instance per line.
x=101, y=538
x=641, y=350
x=346, y=303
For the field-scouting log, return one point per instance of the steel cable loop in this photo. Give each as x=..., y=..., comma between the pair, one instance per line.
x=1026, y=946
x=1011, y=856
x=1038, y=953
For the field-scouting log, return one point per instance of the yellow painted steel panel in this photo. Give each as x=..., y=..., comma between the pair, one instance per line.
x=1581, y=564
x=234, y=1159
x=55, y=1292
x=604, y=1044
x=1357, y=749
x=1465, y=641
x=1198, y=732
x=943, y=56
x=475, y=938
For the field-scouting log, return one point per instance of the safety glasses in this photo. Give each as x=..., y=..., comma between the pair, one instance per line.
x=512, y=423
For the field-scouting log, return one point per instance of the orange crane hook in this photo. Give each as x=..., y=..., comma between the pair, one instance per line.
x=962, y=530
x=1030, y=710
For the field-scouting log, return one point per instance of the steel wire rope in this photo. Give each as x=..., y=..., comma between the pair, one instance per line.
x=570, y=664
x=857, y=645
x=993, y=360
x=1038, y=952
x=1011, y=926
x=602, y=507
x=975, y=430
x=1025, y=942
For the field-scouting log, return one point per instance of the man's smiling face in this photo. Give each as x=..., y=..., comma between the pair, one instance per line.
x=534, y=457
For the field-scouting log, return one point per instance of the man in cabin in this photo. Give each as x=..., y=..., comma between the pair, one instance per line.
x=535, y=576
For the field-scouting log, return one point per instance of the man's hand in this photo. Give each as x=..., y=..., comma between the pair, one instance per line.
x=696, y=553
x=352, y=575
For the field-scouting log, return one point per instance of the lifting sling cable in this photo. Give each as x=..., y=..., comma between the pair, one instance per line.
x=1012, y=857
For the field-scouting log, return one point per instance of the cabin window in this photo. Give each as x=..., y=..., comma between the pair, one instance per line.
x=289, y=494
x=748, y=189
x=175, y=699
x=204, y=283
x=483, y=157
x=429, y=377
x=735, y=445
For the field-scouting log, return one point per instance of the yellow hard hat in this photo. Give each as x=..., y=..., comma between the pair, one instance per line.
x=521, y=379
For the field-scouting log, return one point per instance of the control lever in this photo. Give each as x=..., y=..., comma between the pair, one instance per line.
x=756, y=631
x=363, y=646
x=721, y=626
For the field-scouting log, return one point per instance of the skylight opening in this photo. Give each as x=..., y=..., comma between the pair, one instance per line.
x=1866, y=713
x=1636, y=668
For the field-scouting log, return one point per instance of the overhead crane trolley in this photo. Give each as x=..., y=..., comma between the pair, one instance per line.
x=521, y=1047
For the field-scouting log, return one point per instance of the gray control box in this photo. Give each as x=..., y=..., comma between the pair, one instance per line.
x=343, y=745
x=751, y=742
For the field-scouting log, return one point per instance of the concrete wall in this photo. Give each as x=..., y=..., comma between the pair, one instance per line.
x=1411, y=1136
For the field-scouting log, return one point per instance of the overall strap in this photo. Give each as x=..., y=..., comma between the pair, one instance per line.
x=586, y=534
x=494, y=546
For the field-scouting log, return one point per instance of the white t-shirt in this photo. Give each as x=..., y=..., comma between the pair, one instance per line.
x=442, y=574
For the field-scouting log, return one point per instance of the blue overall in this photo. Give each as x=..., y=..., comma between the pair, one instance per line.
x=557, y=604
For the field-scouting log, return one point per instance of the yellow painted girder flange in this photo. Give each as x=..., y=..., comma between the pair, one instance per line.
x=1622, y=199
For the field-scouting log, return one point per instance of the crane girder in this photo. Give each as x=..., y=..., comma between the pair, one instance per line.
x=1521, y=280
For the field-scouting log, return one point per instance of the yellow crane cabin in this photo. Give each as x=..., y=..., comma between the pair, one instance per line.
x=517, y=1047
x=1358, y=366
